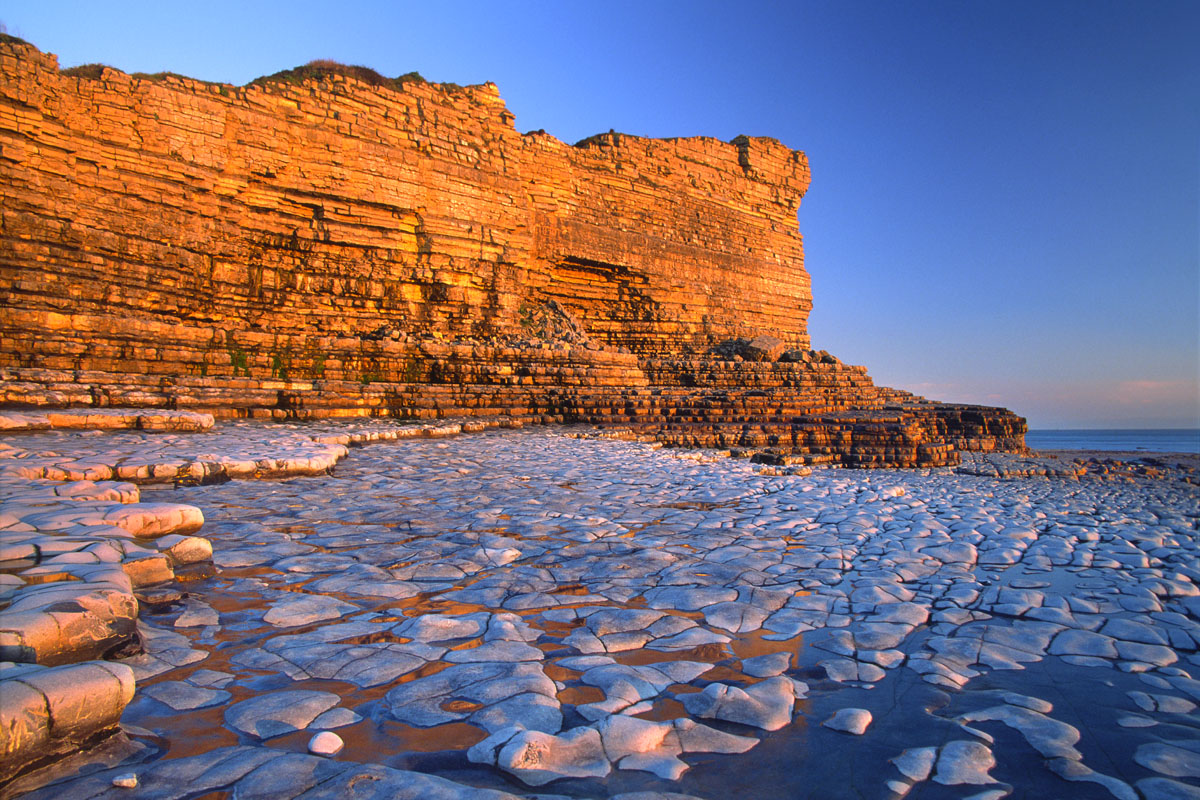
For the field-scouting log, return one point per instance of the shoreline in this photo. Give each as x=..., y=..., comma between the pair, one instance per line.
x=1173, y=460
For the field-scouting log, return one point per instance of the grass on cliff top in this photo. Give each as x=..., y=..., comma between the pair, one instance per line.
x=95, y=72
x=90, y=71
x=324, y=66
x=313, y=69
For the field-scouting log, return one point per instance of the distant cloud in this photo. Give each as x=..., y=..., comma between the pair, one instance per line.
x=1087, y=404
x=1153, y=393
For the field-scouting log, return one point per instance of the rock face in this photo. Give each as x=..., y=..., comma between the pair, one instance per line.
x=328, y=242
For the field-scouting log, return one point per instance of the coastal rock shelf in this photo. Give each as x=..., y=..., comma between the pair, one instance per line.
x=559, y=613
x=326, y=242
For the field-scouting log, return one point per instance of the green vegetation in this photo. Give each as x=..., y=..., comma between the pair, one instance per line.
x=158, y=76
x=315, y=70
x=412, y=370
x=323, y=66
x=239, y=361
x=89, y=71
x=279, y=367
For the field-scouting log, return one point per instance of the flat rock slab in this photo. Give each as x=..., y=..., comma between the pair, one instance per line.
x=893, y=578
x=1167, y=758
x=106, y=419
x=766, y=705
x=538, y=758
x=182, y=696
x=964, y=761
x=850, y=720
x=305, y=609
x=277, y=713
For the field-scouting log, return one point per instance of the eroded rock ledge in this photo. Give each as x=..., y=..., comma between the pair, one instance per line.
x=319, y=243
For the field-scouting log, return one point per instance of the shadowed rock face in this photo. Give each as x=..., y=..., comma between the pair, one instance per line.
x=315, y=244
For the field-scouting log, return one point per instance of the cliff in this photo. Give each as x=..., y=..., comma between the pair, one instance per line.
x=325, y=241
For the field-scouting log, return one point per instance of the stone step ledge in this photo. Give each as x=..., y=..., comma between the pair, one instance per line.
x=106, y=419
x=51, y=711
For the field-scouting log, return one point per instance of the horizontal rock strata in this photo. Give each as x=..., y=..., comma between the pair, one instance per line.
x=78, y=561
x=320, y=243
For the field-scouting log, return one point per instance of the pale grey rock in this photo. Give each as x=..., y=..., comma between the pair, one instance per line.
x=693, y=637
x=305, y=609
x=420, y=702
x=1076, y=771
x=880, y=635
x=334, y=718
x=126, y=780
x=1136, y=721
x=501, y=650
x=766, y=705
x=623, y=642
x=916, y=763
x=197, y=614
x=888, y=659
x=442, y=628
x=765, y=666
x=696, y=738
x=326, y=743
x=584, y=641
x=182, y=696
x=529, y=710
x=735, y=617
x=607, y=621
x=850, y=720
x=1130, y=630
x=840, y=669
x=623, y=735
x=1083, y=643
x=277, y=713
x=904, y=613
x=956, y=553
x=1050, y=737
x=537, y=758
x=584, y=663
x=1088, y=661
x=688, y=598
x=1025, y=701
x=963, y=761
x=1156, y=655
x=1172, y=704
x=1167, y=789
x=675, y=671
x=1168, y=758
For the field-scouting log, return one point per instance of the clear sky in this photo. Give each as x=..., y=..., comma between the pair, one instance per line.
x=1005, y=204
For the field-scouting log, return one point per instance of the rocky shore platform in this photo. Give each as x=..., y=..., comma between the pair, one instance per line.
x=465, y=610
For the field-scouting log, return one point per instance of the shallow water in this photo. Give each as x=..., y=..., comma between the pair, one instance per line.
x=545, y=526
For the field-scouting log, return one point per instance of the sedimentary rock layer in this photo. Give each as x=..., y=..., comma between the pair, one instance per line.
x=326, y=242
x=313, y=208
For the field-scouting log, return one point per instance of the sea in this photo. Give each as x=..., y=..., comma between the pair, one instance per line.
x=1172, y=440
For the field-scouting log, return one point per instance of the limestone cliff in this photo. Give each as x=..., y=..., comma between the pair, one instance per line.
x=325, y=241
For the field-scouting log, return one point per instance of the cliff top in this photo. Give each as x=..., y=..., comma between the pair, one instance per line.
x=321, y=71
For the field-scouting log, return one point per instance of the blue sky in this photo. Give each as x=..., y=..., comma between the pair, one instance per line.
x=1005, y=204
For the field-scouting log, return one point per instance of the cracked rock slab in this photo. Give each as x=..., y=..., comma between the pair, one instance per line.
x=276, y=713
